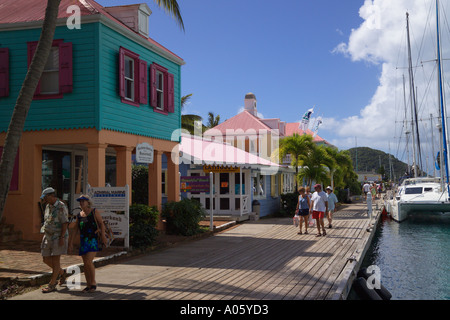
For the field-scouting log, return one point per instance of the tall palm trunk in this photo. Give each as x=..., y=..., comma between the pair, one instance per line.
x=25, y=98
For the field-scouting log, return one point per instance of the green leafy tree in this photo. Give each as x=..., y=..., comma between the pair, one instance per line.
x=188, y=121
x=297, y=146
x=314, y=165
x=213, y=120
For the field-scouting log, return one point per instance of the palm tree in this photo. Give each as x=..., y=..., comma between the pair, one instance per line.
x=213, y=120
x=188, y=121
x=172, y=8
x=314, y=165
x=296, y=146
x=23, y=102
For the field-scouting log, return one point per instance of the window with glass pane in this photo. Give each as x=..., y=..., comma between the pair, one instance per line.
x=224, y=183
x=50, y=75
x=129, y=78
x=160, y=90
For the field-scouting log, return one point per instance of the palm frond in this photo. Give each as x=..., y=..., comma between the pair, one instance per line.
x=171, y=7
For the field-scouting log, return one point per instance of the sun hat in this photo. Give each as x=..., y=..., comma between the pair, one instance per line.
x=87, y=198
x=47, y=191
x=83, y=197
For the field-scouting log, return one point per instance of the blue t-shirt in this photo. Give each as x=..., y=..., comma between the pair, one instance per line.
x=332, y=200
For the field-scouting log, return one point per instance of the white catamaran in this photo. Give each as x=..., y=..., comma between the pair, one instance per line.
x=420, y=194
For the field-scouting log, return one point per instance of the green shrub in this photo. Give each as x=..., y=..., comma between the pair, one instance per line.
x=183, y=217
x=143, y=221
x=140, y=184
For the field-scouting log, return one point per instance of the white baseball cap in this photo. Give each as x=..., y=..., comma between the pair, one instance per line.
x=47, y=191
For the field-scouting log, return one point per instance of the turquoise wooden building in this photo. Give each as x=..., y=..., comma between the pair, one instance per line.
x=106, y=88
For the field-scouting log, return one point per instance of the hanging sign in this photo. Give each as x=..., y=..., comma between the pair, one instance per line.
x=195, y=184
x=144, y=153
x=220, y=169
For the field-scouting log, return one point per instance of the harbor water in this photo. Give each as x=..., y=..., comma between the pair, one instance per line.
x=413, y=257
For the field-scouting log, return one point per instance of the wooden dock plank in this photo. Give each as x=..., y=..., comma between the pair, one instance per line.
x=263, y=260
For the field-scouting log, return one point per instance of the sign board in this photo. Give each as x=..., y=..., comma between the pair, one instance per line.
x=114, y=204
x=220, y=169
x=195, y=184
x=144, y=153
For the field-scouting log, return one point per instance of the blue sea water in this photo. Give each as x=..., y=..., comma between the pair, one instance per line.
x=413, y=257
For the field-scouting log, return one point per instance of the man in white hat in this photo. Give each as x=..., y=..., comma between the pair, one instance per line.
x=332, y=200
x=54, y=242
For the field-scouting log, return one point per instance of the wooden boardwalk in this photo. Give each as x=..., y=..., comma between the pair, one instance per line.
x=263, y=260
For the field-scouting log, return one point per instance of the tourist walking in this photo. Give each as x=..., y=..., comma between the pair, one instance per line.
x=55, y=240
x=373, y=191
x=309, y=195
x=366, y=190
x=303, y=206
x=319, y=205
x=88, y=223
x=332, y=200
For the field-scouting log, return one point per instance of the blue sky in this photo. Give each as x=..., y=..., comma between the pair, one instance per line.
x=281, y=51
x=347, y=58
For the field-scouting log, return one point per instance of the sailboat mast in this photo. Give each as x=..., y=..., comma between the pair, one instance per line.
x=443, y=110
x=412, y=96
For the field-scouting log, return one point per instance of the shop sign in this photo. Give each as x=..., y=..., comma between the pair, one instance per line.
x=195, y=184
x=220, y=169
x=144, y=153
x=113, y=202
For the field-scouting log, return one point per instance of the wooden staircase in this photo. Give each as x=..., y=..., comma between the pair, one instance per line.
x=7, y=233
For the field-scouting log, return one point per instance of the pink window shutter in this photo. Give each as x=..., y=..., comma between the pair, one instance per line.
x=4, y=72
x=143, y=82
x=122, y=72
x=65, y=68
x=170, y=93
x=153, y=97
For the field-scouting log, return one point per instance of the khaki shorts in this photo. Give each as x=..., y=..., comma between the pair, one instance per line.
x=52, y=248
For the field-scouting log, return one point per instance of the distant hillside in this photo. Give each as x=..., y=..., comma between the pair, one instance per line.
x=369, y=161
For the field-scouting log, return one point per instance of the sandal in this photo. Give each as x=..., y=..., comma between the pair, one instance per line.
x=63, y=277
x=86, y=289
x=92, y=289
x=299, y=232
x=319, y=235
x=324, y=233
x=49, y=288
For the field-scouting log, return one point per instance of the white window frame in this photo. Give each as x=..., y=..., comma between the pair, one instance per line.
x=47, y=71
x=160, y=92
x=132, y=80
x=258, y=177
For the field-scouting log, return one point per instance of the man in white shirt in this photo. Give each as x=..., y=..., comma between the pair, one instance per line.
x=366, y=190
x=319, y=205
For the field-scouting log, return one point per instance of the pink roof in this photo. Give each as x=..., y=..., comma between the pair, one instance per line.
x=15, y=11
x=200, y=151
x=243, y=121
x=292, y=128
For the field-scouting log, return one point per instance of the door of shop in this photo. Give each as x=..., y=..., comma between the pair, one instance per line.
x=66, y=172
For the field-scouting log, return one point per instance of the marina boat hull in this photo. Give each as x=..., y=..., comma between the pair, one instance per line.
x=400, y=211
x=417, y=195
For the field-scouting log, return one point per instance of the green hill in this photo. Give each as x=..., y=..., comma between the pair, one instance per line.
x=369, y=161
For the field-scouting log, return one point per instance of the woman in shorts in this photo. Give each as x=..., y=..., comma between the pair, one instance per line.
x=303, y=209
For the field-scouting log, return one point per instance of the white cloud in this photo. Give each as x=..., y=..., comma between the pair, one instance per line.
x=381, y=40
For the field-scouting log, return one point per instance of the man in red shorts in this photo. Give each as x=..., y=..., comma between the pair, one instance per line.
x=319, y=205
